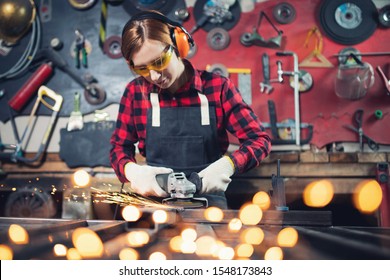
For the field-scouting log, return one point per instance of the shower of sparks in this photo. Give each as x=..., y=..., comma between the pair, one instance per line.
x=129, y=198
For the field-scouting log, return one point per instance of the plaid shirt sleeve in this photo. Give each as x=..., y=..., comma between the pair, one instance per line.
x=124, y=137
x=242, y=122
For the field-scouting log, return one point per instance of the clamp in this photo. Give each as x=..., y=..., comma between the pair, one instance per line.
x=80, y=50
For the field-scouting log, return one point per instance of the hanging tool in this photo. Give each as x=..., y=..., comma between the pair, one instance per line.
x=358, y=119
x=17, y=154
x=265, y=85
x=254, y=38
x=93, y=92
x=315, y=58
x=30, y=87
x=385, y=79
x=278, y=190
x=279, y=130
x=182, y=190
x=214, y=12
x=80, y=52
x=294, y=73
x=75, y=121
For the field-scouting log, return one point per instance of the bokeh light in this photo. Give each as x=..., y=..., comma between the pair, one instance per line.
x=235, y=225
x=18, y=234
x=6, y=252
x=273, y=253
x=204, y=245
x=175, y=243
x=131, y=213
x=160, y=216
x=87, y=243
x=244, y=250
x=157, y=256
x=252, y=235
x=250, y=214
x=262, y=199
x=128, y=254
x=318, y=193
x=367, y=196
x=213, y=214
x=60, y=250
x=138, y=238
x=288, y=237
x=81, y=178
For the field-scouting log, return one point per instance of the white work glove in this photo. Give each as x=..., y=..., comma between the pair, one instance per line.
x=143, y=179
x=216, y=176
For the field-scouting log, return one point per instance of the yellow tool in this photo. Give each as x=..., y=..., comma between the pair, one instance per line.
x=315, y=58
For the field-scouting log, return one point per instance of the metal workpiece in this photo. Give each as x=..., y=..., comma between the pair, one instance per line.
x=316, y=237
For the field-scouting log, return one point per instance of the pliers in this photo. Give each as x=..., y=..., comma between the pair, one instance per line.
x=80, y=50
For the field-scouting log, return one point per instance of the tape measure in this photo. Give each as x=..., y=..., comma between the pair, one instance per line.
x=305, y=81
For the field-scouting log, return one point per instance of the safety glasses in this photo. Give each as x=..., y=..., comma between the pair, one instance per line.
x=158, y=65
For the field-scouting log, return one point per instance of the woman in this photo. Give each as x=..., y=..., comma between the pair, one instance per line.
x=179, y=116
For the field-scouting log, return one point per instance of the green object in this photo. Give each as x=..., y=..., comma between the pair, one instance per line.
x=378, y=114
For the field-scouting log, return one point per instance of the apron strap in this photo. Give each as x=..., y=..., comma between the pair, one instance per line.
x=204, y=109
x=155, y=109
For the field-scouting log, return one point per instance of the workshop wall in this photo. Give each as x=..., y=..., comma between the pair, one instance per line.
x=319, y=106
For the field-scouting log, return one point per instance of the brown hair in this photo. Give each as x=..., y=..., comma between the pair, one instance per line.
x=136, y=32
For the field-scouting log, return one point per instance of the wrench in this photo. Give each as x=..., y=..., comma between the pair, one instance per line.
x=265, y=85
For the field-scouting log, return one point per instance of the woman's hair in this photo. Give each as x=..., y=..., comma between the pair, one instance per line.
x=136, y=32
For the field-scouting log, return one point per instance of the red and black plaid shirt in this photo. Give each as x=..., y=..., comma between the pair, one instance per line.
x=233, y=115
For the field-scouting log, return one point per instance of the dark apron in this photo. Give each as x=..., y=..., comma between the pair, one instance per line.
x=184, y=139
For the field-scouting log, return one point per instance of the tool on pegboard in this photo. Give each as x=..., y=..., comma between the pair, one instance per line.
x=315, y=58
x=386, y=80
x=110, y=46
x=254, y=38
x=265, y=85
x=283, y=133
x=15, y=152
x=93, y=92
x=80, y=52
x=358, y=120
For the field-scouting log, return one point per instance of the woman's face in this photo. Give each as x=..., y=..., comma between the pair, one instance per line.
x=150, y=54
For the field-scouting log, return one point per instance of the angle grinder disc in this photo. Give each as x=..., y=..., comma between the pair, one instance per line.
x=219, y=69
x=218, y=39
x=112, y=47
x=384, y=16
x=284, y=13
x=98, y=96
x=305, y=81
x=348, y=22
x=185, y=203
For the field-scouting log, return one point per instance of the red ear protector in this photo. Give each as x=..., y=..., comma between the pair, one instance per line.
x=181, y=38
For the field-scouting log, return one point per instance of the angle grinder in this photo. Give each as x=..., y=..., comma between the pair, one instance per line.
x=182, y=190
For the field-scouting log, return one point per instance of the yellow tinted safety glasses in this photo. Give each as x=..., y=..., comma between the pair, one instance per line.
x=158, y=65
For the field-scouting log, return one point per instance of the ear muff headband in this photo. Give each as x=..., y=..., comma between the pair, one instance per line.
x=181, y=38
